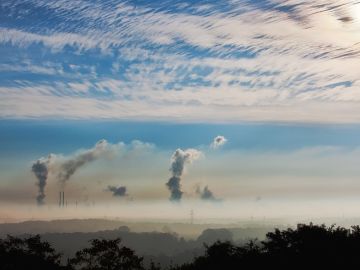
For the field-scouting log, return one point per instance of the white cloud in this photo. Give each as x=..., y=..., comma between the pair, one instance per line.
x=296, y=71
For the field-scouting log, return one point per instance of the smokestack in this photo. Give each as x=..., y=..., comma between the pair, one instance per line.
x=63, y=168
x=60, y=199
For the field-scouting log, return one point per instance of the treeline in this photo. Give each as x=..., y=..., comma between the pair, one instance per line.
x=308, y=246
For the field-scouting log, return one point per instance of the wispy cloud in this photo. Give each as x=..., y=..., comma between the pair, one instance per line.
x=239, y=61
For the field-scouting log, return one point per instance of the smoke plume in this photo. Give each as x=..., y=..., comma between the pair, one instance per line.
x=206, y=194
x=41, y=170
x=178, y=161
x=69, y=166
x=62, y=168
x=117, y=191
x=218, y=142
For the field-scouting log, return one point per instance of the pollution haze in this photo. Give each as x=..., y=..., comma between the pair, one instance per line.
x=123, y=170
x=216, y=112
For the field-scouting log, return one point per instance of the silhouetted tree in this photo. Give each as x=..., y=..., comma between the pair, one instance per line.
x=107, y=255
x=225, y=255
x=305, y=247
x=313, y=245
x=154, y=266
x=28, y=253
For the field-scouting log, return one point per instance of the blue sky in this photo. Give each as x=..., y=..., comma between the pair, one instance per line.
x=278, y=79
x=39, y=137
x=183, y=61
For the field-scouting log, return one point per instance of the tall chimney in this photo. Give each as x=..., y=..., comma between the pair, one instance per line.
x=60, y=199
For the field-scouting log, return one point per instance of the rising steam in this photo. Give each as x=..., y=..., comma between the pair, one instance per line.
x=178, y=161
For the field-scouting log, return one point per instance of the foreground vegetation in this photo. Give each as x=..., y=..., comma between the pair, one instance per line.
x=306, y=247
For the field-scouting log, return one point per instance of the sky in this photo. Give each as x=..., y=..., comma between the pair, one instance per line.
x=278, y=80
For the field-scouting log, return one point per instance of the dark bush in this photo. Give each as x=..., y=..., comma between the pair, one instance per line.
x=27, y=253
